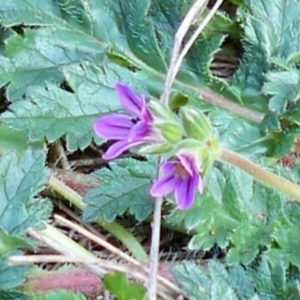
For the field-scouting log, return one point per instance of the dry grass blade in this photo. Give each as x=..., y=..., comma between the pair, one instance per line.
x=164, y=283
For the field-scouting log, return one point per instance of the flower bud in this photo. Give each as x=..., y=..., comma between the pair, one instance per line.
x=157, y=148
x=171, y=131
x=160, y=111
x=195, y=123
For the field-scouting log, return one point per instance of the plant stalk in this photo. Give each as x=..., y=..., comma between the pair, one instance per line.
x=267, y=178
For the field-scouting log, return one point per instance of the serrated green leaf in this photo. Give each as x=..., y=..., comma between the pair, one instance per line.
x=287, y=239
x=239, y=135
x=269, y=26
x=61, y=295
x=39, y=56
x=214, y=281
x=145, y=39
x=21, y=179
x=283, y=87
x=53, y=112
x=118, y=285
x=13, y=295
x=14, y=140
x=9, y=243
x=124, y=187
x=12, y=276
x=35, y=12
x=193, y=280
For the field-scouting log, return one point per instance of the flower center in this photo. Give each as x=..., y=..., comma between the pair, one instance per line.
x=180, y=172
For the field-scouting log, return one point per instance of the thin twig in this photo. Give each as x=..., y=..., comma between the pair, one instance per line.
x=114, y=250
x=62, y=157
x=178, y=39
x=193, y=38
x=66, y=246
x=103, y=263
x=118, y=231
x=171, y=74
x=96, y=239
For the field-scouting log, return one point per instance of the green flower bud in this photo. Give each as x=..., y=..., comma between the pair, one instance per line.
x=160, y=111
x=195, y=123
x=188, y=146
x=157, y=148
x=214, y=147
x=171, y=131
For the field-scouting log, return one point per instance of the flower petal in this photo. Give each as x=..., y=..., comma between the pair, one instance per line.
x=163, y=186
x=113, y=127
x=187, y=164
x=118, y=148
x=185, y=193
x=139, y=131
x=168, y=167
x=130, y=101
x=145, y=113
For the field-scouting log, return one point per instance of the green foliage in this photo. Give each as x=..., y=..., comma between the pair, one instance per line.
x=261, y=281
x=13, y=295
x=65, y=35
x=118, y=285
x=243, y=217
x=15, y=140
x=124, y=187
x=9, y=243
x=21, y=179
x=268, y=75
x=61, y=295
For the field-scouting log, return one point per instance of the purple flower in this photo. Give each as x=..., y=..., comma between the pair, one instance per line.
x=182, y=177
x=128, y=131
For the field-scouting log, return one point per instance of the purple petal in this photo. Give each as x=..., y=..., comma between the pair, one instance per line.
x=118, y=148
x=130, y=101
x=145, y=113
x=163, y=186
x=187, y=164
x=168, y=167
x=113, y=127
x=139, y=131
x=185, y=193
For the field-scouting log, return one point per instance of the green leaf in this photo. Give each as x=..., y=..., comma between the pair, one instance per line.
x=12, y=276
x=117, y=284
x=39, y=56
x=260, y=281
x=13, y=295
x=15, y=140
x=284, y=88
x=35, y=12
x=9, y=243
x=21, y=179
x=61, y=295
x=124, y=187
x=269, y=26
x=288, y=242
x=213, y=282
x=52, y=112
x=146, y=37
x=241, y=215
x=239, y=135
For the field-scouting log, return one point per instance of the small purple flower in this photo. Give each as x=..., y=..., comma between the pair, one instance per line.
x=126, y=130
x=182, y=177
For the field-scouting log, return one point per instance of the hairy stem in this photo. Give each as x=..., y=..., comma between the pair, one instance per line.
x=121, y=233
x=269, y=179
